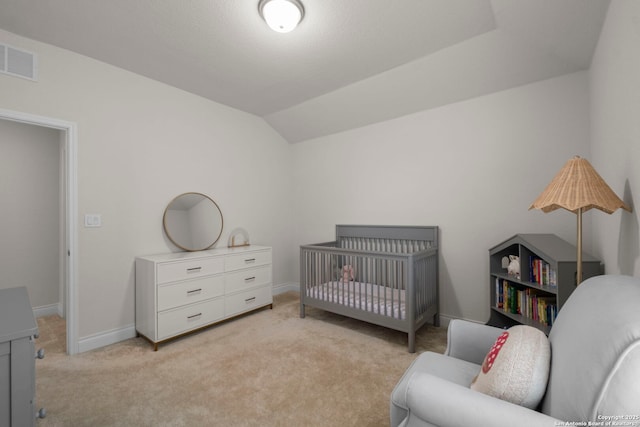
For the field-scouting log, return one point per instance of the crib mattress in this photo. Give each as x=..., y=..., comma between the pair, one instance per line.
x=369, y=297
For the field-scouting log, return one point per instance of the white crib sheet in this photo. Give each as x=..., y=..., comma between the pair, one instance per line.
x=364, y=296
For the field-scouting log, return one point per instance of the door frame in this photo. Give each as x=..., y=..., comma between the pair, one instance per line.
x=71, y=212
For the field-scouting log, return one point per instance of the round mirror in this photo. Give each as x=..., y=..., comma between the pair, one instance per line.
x=193, y=222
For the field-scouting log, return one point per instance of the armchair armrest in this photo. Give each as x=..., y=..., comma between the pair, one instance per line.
x=435, y=401
x=470, y=341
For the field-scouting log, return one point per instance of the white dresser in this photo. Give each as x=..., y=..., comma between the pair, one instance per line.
x=177, y=293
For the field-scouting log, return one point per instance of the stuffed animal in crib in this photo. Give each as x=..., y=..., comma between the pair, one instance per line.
x=347, y=273
x=514, y=266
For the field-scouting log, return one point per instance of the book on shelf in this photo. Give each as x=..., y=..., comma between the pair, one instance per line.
x=540, y=272
x=528, y=302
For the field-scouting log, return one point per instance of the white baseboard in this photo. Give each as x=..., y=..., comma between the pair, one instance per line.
x=106, y=338
x=48, y=310
x=285, y=287
x=445, y=319
x=116, y=335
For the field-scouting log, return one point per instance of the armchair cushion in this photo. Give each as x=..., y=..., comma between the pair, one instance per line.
x=452, y=370
x=435, y=401
x=516, y=368
x=467, y=345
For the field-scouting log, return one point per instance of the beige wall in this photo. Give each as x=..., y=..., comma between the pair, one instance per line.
x=140, y=143
x=472, y=168
x=615, y=134
x=30, y=214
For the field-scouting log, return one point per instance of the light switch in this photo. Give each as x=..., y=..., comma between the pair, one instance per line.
x=93, y=220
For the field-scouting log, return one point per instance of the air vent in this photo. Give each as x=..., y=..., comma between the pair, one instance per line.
x=17, y=62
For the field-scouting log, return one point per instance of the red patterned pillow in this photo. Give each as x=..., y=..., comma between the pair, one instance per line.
x=516, y=369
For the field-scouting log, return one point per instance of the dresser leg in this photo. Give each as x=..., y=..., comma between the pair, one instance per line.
x=155, y=346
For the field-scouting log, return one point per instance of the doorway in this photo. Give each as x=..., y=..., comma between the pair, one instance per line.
x=68, y=212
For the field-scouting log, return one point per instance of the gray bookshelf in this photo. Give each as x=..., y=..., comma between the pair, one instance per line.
x=547, y=277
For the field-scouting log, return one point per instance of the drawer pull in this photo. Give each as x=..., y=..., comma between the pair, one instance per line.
x=194, y=269
x=193, y=316
x=41, y=413
x=194, y=291
x=250, y=260
x=248, y=279
x=248, y=300
x=40, y=354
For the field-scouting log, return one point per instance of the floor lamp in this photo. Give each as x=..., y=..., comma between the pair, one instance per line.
x=578, y=188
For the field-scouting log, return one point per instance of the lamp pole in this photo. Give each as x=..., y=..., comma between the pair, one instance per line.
x=579, y=257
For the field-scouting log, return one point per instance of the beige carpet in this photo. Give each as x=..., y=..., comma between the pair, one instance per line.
x=269, y=368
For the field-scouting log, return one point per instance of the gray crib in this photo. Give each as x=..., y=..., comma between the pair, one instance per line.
x=385, y=275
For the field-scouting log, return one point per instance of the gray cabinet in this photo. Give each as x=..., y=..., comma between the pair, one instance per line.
x=547, y=278
x=18, y=329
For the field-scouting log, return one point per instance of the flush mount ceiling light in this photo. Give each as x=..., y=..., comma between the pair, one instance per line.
x=281, y=15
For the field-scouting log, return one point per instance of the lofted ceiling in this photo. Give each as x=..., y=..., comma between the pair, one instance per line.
x=348, y=64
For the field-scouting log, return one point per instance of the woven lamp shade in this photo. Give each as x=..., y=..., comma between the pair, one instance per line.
x=576, y=186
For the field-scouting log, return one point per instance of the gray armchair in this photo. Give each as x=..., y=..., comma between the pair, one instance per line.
x=594, y=375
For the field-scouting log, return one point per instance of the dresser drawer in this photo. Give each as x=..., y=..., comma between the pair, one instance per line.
x=250, y=259
x=248, y=300
x=245, y=279
x=189, y=291
x=179, y=320
x=189, y=269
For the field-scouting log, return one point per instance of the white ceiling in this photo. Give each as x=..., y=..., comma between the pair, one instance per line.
x=348, y=64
